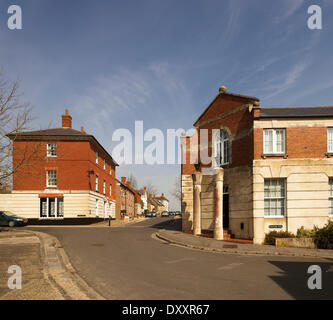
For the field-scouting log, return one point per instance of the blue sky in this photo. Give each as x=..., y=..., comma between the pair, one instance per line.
x=113, y=62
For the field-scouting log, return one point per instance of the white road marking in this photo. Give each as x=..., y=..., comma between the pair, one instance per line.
x=179, y=260
x=230, y=266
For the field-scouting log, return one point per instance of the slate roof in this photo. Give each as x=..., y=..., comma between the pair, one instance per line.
x=296, y=112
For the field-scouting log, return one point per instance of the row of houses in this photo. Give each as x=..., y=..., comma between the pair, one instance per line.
x=69, y=176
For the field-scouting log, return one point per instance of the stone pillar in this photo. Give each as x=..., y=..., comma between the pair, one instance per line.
x=197, y=177
x=218, y=227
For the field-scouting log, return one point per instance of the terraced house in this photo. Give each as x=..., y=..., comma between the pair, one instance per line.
x=269, y=169
x=72, y=177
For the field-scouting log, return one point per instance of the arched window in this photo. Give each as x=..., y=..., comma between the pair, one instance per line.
x=221, y=148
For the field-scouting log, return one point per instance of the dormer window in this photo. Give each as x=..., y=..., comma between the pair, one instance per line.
x=221, y=148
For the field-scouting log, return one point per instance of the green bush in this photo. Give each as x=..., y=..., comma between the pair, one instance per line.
x=323, y=237
x=304, y=233
x=271, y=236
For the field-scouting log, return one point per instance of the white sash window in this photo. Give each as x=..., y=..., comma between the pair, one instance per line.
x=274, y=141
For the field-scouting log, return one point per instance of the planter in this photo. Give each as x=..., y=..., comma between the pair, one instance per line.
x=295, y=243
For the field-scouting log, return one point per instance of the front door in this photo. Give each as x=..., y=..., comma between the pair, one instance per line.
x=226, y=210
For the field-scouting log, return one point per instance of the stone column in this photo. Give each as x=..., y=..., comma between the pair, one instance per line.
x=197, y=177
x=218, y=228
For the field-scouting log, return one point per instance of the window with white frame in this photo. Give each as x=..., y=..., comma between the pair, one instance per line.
x=51, y=178
x=221, y=148
x=96, y=157
x=51, y=149
x=274, y=197
x=104, y=164
x=96, y=183
x=330, y=140
x=274, y=141
x=104, y=184
x=110, y=189
x=51, y=207
x=330, y=197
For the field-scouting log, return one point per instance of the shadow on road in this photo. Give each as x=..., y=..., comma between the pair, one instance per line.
x=170, y=224
x=294, y=279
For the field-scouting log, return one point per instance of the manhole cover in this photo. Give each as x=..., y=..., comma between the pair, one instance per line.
x=97, y=244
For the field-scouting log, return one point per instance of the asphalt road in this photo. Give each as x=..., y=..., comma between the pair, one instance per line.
x=128, y=263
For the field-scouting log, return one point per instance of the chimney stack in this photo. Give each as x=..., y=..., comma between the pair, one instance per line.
x=82, y=129
x=66, y=120
x=123, y=180
x=144, y=188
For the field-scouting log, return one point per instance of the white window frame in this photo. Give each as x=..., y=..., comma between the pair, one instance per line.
x=57, y=215
x=104, y=187
x=274, y=141
x=96, y=183
x=330, y=141
x=330, y=197
x=104, y=165
x=50, y=150
x=219, y=146
x=276, y=198
x=96, y=157
x=48, y=172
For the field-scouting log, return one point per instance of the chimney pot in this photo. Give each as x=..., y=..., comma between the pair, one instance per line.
x=123, y=180
x=82, y=129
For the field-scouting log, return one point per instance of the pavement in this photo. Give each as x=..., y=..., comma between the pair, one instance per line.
x=212, y=245
x=47, y=273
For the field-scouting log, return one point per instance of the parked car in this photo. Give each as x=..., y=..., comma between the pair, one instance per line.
x=172, y=213
x=149, y=214
x=154, y=213
x=165, y=214
x=9, y=219
x=178, y=213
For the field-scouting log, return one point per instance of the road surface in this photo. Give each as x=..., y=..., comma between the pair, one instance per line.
x=128, y=263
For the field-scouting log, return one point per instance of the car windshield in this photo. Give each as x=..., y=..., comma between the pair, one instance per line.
x=9, y=213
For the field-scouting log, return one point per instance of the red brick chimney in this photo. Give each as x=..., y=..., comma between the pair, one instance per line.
x=66, y=120
x=123, y=180
x=144, y=188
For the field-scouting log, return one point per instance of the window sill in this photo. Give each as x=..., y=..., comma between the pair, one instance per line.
x=274, y=155
x=51, y=187
x=274, y=217
x=51, y=218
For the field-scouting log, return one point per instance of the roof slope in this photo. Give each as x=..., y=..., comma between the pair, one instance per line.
x=296, y=112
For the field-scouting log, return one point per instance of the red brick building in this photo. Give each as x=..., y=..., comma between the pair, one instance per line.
x=128, y=200
x=71, y=175
x=257, y=169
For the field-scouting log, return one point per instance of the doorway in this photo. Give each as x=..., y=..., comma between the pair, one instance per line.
x=225, y=207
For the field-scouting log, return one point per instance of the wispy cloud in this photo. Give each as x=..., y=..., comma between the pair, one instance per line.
x=285, y=82
x=289, y=8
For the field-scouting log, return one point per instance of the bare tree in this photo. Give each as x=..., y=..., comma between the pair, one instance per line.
x=151, y=190
x=177, y=188
x=133, y=181
x=15, y=117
